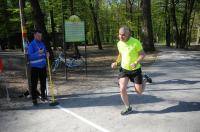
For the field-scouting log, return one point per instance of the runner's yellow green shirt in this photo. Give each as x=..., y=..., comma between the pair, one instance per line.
x=129, y=52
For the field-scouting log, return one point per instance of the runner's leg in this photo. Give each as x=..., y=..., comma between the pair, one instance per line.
x=123, y=82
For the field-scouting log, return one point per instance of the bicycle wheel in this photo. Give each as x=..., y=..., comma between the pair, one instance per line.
x=78, y=62
x=55, y=65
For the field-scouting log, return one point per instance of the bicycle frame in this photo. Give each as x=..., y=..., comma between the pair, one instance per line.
x=70, y=62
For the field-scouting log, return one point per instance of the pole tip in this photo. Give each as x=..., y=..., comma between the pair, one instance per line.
x=53, y=103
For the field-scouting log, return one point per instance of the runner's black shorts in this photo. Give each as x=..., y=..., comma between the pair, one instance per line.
x=134, y=75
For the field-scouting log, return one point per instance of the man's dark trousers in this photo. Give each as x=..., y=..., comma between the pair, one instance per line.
x=41, y=74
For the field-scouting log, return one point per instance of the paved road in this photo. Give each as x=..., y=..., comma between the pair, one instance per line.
x=170, y=104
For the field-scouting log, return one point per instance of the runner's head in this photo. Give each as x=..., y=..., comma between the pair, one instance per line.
x=124, y=33
x=38, y=35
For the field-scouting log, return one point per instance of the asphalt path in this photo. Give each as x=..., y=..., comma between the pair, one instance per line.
x=170, y=104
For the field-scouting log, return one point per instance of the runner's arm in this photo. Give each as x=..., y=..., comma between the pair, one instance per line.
x=141, y=57
x=118, y=60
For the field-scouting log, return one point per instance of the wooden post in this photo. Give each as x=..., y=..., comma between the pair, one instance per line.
x=25, y=42
x=64, y=45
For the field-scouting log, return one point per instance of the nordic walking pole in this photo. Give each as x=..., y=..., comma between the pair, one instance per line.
x=53, y=101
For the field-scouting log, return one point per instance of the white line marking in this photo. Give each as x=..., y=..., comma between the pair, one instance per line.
x=82, y=119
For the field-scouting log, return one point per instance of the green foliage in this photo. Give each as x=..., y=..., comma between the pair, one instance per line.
x=9, y=14
x=111, y=15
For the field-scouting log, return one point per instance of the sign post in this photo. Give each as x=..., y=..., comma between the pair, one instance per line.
x=74, y=31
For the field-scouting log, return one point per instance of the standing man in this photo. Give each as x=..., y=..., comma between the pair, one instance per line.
x=37, y=55
x=130, y=56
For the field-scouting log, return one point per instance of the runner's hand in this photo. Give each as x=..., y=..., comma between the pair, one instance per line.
x=114, y=65
x=133, y=65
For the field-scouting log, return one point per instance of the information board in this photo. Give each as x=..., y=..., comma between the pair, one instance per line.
x=74, y=31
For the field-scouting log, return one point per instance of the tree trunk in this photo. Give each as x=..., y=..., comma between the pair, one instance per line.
x=190, y=31
x=107, y=26
x=131, y=9
x=175, y=26
x=139, y=26
x=167, y=23
x=71, y=7
x=191, y=8
x=184, y=32
x=53, y=29
x=38, y=18
x=198, y=36
x=184, y=24
x=147, y=32
x=94, y=15
x=168, y=34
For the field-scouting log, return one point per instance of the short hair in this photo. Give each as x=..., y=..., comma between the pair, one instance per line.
x=37, y=31
x=124, y=29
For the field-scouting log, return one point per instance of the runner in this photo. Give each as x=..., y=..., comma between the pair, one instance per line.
x=130, y=56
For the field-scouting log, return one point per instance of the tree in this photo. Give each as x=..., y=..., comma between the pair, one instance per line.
x=175, y=25
x=181, y=35
x=38, y=18
x=167, y=23
x=147, y=32
x=171, y=19
x=10, y=24
x=4, y=23
x=95, y=19
x=52, y=25
x=185, y=25
x=131, y=3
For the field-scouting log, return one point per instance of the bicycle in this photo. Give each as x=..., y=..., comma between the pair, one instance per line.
x=71, y=63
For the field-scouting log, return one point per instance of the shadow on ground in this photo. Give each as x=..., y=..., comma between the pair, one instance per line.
x=113, y=99
x=91, y=100
x=104, y=99
x=180, y=107
x=176, y=81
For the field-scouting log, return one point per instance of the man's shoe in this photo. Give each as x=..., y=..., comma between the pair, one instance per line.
x=148, y=79
x=127, y=111
x=44, y=99
x=35, y=103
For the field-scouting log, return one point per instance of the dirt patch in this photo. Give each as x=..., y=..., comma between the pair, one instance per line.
x=99, y=76
x=194, y=48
